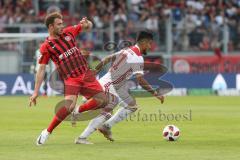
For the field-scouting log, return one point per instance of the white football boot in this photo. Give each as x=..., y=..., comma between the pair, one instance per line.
x=43, y=137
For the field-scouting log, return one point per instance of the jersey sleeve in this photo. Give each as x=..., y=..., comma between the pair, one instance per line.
x=120, y=54
x=75, y=30
x=44, y=56
x=138, y=66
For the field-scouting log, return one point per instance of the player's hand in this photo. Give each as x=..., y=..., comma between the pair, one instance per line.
x=161, y=98
x=84, y=20
x=33, y=99
x=86, y=24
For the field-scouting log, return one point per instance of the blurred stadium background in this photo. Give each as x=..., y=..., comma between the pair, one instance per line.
x=197, y=40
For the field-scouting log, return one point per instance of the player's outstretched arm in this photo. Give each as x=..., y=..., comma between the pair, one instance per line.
x=39, y=79
x=86, y=24
x=145, y=85
x=104, y=62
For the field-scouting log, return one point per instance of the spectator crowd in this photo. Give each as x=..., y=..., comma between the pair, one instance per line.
x=196, y=24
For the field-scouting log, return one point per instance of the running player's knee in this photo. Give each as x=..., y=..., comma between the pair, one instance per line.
x=71, y=107
x=101, y=102
x=68, y=103
x=104, y=100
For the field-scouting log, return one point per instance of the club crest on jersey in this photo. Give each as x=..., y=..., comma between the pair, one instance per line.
x=67, y=38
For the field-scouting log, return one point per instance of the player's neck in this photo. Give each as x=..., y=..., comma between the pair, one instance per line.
x=53, y=36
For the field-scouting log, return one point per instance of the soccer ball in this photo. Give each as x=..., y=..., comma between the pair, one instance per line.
x=171, y=133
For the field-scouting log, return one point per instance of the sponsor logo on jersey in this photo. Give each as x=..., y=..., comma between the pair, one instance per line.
x=70, y=51
x=67, y=38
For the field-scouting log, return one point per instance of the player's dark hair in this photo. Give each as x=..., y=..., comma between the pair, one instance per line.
x=49, y=19
x=144, y=34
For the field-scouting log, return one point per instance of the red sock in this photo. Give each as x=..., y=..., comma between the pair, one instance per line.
x=58, y=118
x=89, y=105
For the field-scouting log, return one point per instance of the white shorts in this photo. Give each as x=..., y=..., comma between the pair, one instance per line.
x=115, y=96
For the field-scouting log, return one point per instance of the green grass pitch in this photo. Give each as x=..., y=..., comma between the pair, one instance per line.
x=212, y=131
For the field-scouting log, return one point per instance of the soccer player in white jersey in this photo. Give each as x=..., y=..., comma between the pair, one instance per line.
x=125, y=63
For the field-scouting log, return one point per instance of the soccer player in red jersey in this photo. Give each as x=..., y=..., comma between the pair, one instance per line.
x=60, y=47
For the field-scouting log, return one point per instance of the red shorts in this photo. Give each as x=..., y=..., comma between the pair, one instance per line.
x=86, y=85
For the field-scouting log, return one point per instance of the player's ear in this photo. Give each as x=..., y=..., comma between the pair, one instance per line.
x=50, y=26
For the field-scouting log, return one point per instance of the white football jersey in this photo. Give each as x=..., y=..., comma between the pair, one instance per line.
x=128, y=62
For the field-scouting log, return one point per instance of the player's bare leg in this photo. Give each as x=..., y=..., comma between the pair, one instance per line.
x=97, y=101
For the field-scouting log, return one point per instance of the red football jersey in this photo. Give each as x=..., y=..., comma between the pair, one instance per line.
x=64, y=53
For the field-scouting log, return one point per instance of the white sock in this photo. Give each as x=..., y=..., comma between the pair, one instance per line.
x=94, y=124
x=120, y=115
